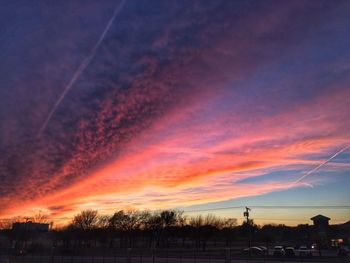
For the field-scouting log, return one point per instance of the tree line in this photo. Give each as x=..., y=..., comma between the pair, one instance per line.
x=129, y=229
x=163, y=230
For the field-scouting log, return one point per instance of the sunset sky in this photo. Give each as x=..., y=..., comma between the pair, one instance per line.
x=194, y=105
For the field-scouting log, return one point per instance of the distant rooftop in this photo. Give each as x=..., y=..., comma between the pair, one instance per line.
x=30, y=226
x=320, y=218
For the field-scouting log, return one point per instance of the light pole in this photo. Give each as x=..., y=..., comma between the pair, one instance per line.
x=246, y=215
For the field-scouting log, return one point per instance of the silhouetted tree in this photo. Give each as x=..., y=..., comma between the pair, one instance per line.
x=229, y=225
x=86, y=220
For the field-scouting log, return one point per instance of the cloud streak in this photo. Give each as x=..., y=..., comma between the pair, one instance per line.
x=322, y=164
x=84, y=64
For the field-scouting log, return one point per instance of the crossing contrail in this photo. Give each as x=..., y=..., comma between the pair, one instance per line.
x=322, y=164
x=81, y=67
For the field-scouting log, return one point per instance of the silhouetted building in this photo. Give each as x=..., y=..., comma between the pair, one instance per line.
x=24, y=234
x=30, y=227
x=340, y=234
x=321, y=224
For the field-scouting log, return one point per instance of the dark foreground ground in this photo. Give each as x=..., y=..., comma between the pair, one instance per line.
x=151, y=259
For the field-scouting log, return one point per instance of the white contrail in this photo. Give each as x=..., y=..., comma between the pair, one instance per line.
x=82, y=67
x=322, y=164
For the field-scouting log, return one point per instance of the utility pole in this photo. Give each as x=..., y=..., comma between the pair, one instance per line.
x=246, y=215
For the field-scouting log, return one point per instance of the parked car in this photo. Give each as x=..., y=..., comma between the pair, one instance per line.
x=253, y=251
x=304, y=251
x=343, y=251
x=264, y=249
x=278, y=251
x=289, y=251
